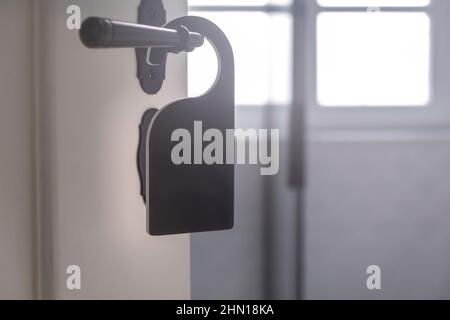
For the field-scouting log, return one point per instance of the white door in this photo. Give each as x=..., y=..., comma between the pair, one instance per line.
x=79, y=124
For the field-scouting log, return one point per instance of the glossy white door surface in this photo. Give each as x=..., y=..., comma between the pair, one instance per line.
x=70, y=127
x=91, y=106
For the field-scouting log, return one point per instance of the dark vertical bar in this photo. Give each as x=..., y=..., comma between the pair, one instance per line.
x=298, y=130
x=268, y=237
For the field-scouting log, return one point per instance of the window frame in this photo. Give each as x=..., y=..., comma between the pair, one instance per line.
x=433, y=115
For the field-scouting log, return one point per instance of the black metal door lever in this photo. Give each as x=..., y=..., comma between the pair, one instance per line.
x=148, y=33
x=106, y=33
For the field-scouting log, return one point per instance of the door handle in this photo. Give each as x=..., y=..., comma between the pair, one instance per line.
x=148, y=33
x=185, y=196
x=98, y=32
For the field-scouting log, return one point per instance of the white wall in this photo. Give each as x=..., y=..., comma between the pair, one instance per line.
x=16, y=152
x=383, y=203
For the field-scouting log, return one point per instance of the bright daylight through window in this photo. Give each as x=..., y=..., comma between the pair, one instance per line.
x=260, y=33
x=373, y=53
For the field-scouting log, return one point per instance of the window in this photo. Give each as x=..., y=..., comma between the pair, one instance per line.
x=352, y=63
x=376, y=57
x=260, y=33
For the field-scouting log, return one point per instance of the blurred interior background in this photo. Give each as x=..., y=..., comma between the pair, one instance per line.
x=359, y=89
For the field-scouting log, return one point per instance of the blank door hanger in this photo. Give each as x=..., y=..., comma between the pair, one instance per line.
x=192, y=197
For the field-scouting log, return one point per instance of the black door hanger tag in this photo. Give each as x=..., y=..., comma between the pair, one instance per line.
x=185, y=198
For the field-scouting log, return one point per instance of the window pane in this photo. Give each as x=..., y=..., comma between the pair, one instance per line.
x=261, y=46
x=380, y=59
x=373, y=3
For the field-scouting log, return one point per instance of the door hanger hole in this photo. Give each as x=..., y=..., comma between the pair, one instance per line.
x=202, y=69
